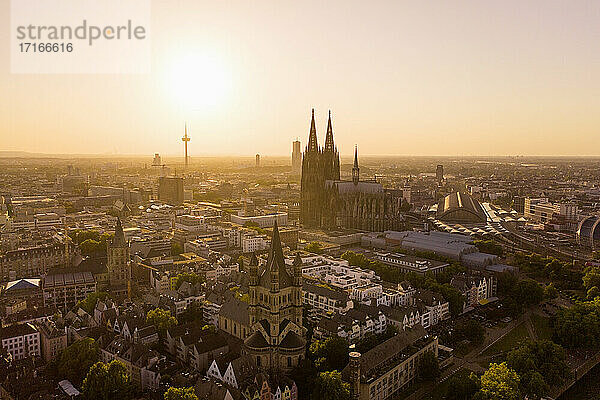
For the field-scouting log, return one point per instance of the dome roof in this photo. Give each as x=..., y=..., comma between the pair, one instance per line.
x=588, y=231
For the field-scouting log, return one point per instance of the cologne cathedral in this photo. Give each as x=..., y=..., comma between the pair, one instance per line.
x=327, y=202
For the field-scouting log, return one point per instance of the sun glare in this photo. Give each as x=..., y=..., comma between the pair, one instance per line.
x=198, y=82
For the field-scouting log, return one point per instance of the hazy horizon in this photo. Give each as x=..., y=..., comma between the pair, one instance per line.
x=401, y=79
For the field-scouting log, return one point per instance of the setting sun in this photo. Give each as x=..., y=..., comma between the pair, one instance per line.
x=198, y=82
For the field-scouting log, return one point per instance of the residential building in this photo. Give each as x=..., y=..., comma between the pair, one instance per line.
x=63, y=291
x=477, y=289
x=21, y=341
x=261, y=221
x=390, y=367
x=52, y=340
x=326, y=299
x=137, y=358
x=34, y=258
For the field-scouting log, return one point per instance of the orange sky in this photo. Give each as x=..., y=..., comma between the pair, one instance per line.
x=401, y=78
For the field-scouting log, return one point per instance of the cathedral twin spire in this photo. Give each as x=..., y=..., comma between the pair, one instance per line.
x=313, y=144
x=329, y=146
x=355, y=169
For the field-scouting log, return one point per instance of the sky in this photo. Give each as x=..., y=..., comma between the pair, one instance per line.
x=431, y=77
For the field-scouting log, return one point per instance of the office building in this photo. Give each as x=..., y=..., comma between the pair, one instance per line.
x=170, y=189
x=439, y=173
x=296, y=158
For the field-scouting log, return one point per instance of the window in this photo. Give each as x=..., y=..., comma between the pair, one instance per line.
x=289, y=361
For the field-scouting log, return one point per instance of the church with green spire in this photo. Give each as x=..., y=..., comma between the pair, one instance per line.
x=277, y=339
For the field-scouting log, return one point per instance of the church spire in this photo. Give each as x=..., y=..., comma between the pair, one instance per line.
x=312, y=138
x=329, y=146
x=355, y=169
x=276, y=250
x=119, y=238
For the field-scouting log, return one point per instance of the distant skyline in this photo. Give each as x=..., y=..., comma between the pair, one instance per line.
x=400, y=78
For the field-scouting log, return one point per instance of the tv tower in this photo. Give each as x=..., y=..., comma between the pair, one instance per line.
x=185, y=139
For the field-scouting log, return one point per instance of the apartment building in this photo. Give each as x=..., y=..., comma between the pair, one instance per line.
x=63, y=291
x=390, y=367
x=21, y=340
x=326, y=299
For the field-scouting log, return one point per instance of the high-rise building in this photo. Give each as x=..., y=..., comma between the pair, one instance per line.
x=296, y=158
x=277, y=340
x=258, y=161
x=170, y=189
x=439, y=173
x=156, y=162
x=328, y=202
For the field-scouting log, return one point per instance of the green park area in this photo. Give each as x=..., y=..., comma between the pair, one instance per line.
x=542, y=327
x=511, y=340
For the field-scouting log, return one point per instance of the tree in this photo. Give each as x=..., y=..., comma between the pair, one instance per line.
x=534, y=360
x=405, y=206
x=79, y=236
x=507, y=282
x=107, y=382
x=161, y=319
x=593, y=293
x=176, y=249
x=462, y=386
x=89, y=247
x=329, y=386
x=190, y=277
x=578, y=326
x=75, y=360
x=500, y=382
x=470, y=330
x=192, y=313
x=489, y=246
x=304, y=374
x=314, y=247
x=329, y=354
x=534, y=385
x=89, y=303
x=428, y=367
x=453, y=296
x=591, y=277
x=180, y=394
x=529, y=292
x=550, y=291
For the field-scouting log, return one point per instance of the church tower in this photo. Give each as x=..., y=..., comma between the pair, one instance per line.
x=275, y=310
x=119, y=272
x=331, y=157
x=313, y=180
x=355, y=169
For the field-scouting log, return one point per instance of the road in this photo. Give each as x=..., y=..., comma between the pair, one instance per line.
x=472, y=360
